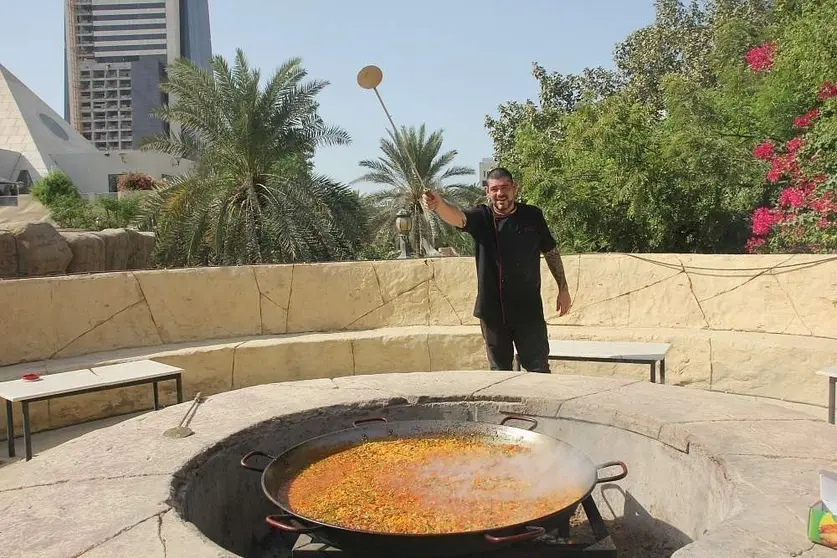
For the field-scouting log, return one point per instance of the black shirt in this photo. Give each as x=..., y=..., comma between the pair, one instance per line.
x=508, y=251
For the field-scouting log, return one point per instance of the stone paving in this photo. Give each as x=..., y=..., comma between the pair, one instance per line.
x=108, y=493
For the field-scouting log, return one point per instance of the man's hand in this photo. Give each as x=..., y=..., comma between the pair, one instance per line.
x=431, y=200
x=564, y=302
x=450, y=214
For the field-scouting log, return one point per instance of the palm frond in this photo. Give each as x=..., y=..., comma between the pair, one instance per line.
x=251, y=197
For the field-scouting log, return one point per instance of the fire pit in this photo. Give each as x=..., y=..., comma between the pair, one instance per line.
x=701, y=464
x=432, y=488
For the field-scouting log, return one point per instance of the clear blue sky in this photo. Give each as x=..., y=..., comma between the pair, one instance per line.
x=446, y=63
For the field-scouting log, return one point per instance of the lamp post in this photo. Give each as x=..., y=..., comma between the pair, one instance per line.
x=404, y=224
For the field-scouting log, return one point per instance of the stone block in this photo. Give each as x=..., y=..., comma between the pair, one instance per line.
x=88, y=252
x=8, y=254
x=207, y=368
x=140, y=249
x=453, y=290
x=117, y=248
x=202, y=303
x=405, y=351
x=98, y=312
x=327, y=297
x=274, y=284
x=460, y=348
x=777, y=366
x=40, y=249
x=284, y=359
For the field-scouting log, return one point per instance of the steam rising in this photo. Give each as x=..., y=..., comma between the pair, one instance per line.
x=528, y=475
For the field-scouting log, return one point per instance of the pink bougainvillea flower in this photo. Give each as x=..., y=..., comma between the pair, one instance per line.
x=827, y=91
x=754, y=244
x=792, y=197
x=793, y=145
x=823, y=223
x=763, y=220
x=760, y=58
x=764, y=151
x=780, y=166
x=824, y=204
x=806, y=119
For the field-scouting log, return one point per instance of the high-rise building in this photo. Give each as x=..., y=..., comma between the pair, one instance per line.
x=486, y=165
x=116, y=52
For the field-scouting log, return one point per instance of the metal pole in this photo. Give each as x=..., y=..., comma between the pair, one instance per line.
x=397, y=136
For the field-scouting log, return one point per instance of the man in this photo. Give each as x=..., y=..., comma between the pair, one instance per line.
x=509, y=238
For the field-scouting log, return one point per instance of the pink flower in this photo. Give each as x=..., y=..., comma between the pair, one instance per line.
x=754, y=244
x=776, y=170
x=824, y=204
x=793, y=145
x=806, y=119
x=764, y=151
x=792, y=197
x=760, y=58
x=763, y=220
x=827, y=90
x=823, y=223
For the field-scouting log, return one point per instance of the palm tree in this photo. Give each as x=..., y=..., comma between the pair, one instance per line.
x=395, y=170
x=252, y=196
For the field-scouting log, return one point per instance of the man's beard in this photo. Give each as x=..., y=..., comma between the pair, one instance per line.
x=511, y=206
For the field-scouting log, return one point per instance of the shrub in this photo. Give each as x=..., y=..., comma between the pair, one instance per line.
x=134, y=181
x=53, y=186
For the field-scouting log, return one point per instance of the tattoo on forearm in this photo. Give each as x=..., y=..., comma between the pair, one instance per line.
x=556, y=266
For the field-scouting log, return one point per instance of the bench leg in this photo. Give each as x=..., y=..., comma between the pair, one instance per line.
x=27, y=433
x=156, y=397
x=653, y=372
x=832, y=384
x=663, y=371
x=179, y=382
x=10, y=428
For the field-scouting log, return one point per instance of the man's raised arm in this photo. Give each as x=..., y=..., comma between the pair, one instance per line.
x=450, y=214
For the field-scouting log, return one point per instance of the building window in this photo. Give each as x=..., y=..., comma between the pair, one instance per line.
x=113, y=181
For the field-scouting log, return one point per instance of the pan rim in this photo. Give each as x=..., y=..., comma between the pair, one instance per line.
x=462, y=424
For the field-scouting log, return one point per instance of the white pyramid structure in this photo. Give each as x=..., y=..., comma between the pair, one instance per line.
x=34, y=139
x=29, y=127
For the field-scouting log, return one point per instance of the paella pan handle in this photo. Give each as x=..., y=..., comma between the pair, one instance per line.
x=530, y=533
x=252, y=454
x=612, y=478
x=372, y=419
x=277, y=522
x=530, y=420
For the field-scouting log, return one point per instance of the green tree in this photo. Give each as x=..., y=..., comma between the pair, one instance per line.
x=251, y=197
x=404, y=189
x=656, y=156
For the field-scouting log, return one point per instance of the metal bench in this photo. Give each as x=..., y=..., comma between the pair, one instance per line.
x=610, y=351
x=831, y=374
x=77, y=382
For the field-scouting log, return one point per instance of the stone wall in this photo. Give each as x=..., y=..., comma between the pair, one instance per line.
x=35, y=249
x=756, y=325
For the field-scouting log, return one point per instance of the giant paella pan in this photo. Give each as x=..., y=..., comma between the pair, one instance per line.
x=427, y=487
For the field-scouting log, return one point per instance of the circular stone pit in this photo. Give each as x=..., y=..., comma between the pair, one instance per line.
x=697, y=461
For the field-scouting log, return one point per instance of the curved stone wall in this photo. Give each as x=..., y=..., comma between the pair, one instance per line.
x=755, y=325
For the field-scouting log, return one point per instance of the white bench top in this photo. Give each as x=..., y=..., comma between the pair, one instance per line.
x=831, y=372
x=79, y=380
x=615, y=350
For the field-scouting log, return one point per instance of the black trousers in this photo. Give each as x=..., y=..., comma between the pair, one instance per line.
x=531, y=341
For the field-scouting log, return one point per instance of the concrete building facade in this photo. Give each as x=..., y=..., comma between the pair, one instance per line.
x=116, y=52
